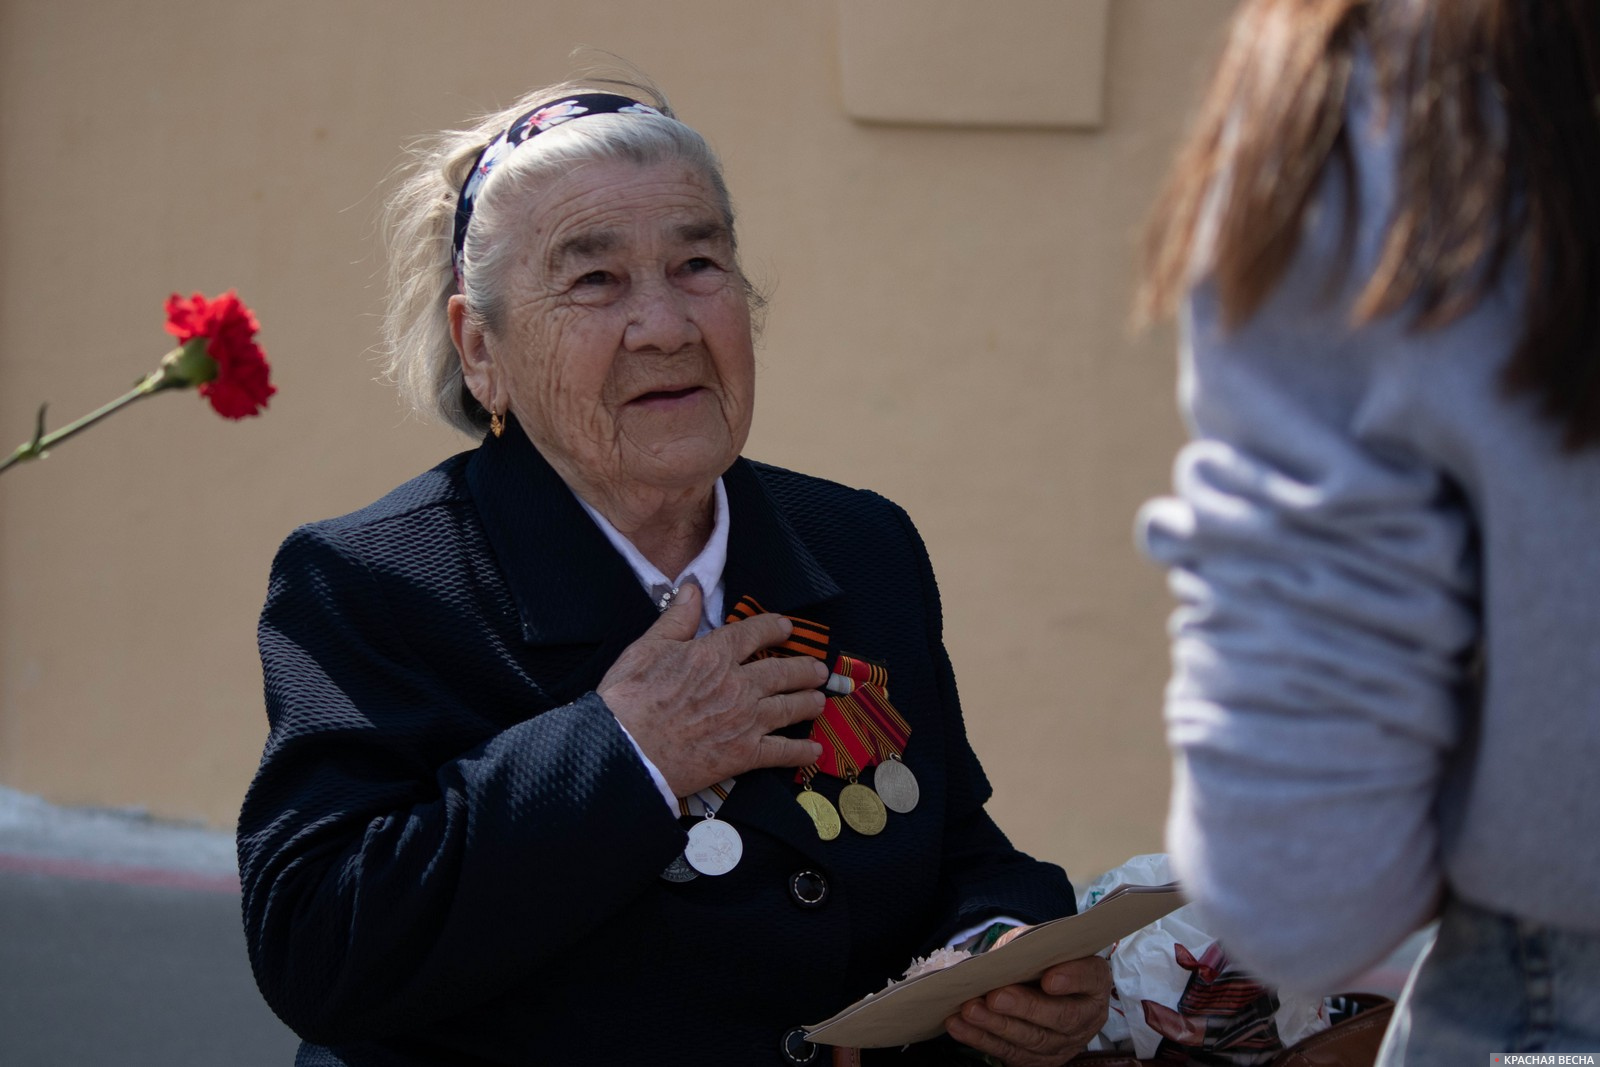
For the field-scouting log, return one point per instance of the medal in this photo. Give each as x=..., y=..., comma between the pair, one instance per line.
x=721, y=842
x=896, y=785
x=679, y=870
x=714, y=847
x=862, y=809
x=858, y=728
x=822, y=813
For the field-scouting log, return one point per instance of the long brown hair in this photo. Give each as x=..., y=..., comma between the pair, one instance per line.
x=1497, y=101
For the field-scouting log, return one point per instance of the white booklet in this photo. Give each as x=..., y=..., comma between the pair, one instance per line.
x=915, y=1009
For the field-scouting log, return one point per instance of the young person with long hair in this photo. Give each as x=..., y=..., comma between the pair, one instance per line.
x=1382, y=241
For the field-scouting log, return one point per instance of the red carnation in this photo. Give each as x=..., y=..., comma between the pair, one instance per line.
x=238, y=384
x=216, y=351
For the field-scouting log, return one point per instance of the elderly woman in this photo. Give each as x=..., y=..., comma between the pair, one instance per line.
x=540, y=718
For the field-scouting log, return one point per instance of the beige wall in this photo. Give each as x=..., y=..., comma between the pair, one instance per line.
x=947, y=327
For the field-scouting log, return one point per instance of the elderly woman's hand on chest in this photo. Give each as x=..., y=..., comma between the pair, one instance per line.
x=699, y=710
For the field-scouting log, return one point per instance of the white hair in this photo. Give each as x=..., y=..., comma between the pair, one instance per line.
x=419, y=356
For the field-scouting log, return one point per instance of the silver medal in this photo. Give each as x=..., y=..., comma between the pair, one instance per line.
x=679, y=870
x=714, y=847
x=897, y=786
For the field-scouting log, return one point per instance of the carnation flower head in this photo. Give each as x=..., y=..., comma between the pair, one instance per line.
x=236, y=377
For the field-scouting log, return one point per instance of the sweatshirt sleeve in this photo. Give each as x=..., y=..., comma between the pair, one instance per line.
x=1325, y=571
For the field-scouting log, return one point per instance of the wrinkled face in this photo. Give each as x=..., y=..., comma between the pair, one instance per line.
x=624, y=348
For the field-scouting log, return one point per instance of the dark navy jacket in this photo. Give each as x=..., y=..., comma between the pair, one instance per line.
x=451, y=853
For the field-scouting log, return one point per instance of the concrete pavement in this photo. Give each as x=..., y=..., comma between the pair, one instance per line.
x=121, y=944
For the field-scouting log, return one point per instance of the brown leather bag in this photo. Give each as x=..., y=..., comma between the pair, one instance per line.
x=1352, y=1043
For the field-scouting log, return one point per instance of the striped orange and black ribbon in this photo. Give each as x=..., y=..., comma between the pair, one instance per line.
x=708, y=799
x=807, y=639
x=856, y=730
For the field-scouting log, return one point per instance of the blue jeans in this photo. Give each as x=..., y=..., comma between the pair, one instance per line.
x=1493, y=983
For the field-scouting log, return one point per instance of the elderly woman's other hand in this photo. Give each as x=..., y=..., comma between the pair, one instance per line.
x=1039, y=1026
x=699, y=710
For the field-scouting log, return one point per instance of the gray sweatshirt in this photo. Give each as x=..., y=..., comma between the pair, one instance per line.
x=1386, y=658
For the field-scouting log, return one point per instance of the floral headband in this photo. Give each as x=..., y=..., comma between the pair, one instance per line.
x=521, y=129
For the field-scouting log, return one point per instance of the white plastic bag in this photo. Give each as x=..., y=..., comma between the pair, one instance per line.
x=1173, y=982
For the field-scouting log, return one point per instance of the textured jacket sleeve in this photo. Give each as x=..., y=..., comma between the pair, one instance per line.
x=402, y=856
x=1325, y=568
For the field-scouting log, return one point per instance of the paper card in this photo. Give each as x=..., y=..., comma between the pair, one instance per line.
x=915, y=1009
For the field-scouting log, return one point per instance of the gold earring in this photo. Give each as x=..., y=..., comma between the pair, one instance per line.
x=496, y=425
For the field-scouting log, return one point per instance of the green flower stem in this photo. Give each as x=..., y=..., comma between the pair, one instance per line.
x=42, y=442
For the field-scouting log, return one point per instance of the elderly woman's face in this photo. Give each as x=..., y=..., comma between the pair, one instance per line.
x=625, y=346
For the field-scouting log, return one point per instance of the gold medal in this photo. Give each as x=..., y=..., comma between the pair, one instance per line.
x=862, y=809
x=822, y=813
